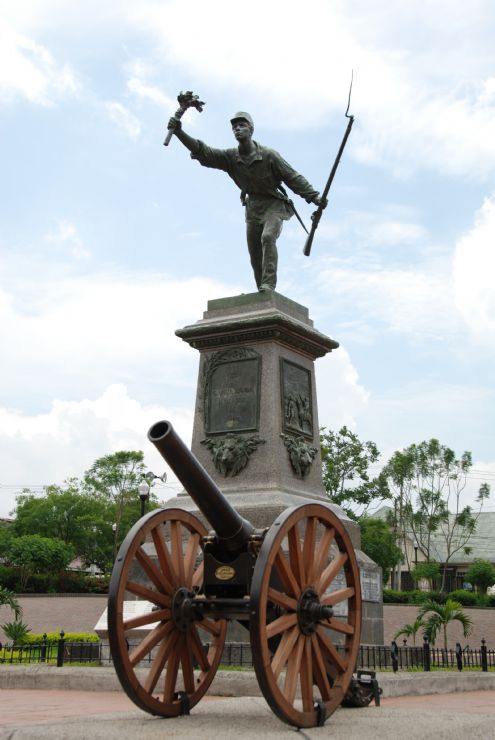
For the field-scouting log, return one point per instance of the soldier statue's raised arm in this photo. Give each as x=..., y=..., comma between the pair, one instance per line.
x=259, y=173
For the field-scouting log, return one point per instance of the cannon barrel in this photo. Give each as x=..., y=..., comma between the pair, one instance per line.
x=231, y=529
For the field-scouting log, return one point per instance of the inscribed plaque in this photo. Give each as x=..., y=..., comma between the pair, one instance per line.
x=232, y=392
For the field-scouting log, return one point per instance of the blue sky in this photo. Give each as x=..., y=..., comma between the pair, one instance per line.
x=109, y=241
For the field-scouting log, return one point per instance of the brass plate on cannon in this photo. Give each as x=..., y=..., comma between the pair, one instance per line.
x=225, y=573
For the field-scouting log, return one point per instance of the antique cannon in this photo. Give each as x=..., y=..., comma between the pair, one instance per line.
x=295, y=586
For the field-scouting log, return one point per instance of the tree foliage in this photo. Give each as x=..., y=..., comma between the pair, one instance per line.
x=32, y=553
x=346, y=476
x=411, y=629
x=8, y=598
x=427, y=481
x=82, y=513
x=427, y=571
x=481, y=573
x=378, y=542
x=438, y=617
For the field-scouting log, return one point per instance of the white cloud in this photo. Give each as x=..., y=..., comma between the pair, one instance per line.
x=28, y=70
x=341, y=397
x=474, y=271
x=67, y=236
x=409, y=111
x=124, y=119
x=424, y=85
x=71, y=335
x=64, y=441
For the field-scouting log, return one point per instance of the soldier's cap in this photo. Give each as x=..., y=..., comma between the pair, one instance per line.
x=242, y=116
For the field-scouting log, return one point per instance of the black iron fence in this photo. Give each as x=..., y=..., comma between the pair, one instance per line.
x=393, y=657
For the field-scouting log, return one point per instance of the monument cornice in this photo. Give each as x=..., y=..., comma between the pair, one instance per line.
x=266, y=326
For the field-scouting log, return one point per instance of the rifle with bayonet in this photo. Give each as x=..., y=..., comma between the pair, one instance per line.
x=316, y=216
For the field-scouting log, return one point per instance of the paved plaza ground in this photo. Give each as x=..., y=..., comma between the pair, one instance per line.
x=75, y=715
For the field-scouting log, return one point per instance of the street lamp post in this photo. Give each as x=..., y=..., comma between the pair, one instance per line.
x=145, y=486
x=114, y=532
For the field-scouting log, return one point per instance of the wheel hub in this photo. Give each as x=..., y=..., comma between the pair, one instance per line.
x=310, y=611
x=183, y=614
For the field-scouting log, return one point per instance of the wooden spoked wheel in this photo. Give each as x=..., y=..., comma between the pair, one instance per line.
x=305, y=615
x=157, y=637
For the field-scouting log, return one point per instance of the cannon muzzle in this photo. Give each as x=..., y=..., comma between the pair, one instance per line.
x=231, y=529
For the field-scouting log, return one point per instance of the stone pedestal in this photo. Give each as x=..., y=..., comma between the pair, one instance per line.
x=256, y=428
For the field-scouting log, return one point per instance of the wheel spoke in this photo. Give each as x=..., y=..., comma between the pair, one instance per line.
x=214, y=628
x=282, y=599
x=338, y=626
x=307, y=676
x=330, y=650
x=331, y=571
x=190, y=558
x=198, y=650
x=187, y=665
x=309, y=544
x=287, y=577
x=319, y=671
x=158, y=579
x=176, y=547
x=172, y=671
x=149, y=642
x=316, y=565
x=293, y=668
x=197, y=579
x=149, y=618
x=159, y=662
x=295, y=556
x=335, y=597
x=147, y=593
x=164, y=556
x=281, y=624
x=284, y=650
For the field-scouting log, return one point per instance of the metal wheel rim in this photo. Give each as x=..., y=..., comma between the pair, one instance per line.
x=175, y=650
x=299, y=659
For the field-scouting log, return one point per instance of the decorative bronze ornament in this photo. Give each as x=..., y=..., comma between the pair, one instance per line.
x=301, y=454
x=231, y=453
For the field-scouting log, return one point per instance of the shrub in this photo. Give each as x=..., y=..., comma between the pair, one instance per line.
x=391, y=596
x=53, y=637
x=466, y=598
x=16, y=631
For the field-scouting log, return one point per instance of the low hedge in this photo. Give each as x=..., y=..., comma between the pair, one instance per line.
x=466, y=598
x=67, y=582
x=52, y=638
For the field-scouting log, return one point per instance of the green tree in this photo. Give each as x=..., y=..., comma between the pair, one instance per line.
x=8, y=598
x=481, y=573
x=438, y=617
x=346, y=461
x=72, y=514
x=427, y=571
x=31, y=553
x=114, y=479
x=378, y=542
x=427, y=481
x=411, y=629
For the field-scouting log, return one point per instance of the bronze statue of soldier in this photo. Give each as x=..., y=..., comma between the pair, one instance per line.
x=259, y=173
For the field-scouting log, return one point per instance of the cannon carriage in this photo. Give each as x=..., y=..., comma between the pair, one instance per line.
x=295, y=587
